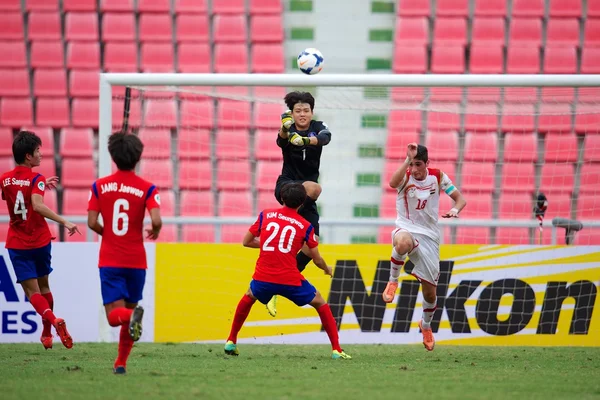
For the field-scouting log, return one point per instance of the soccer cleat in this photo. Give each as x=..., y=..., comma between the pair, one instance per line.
x=272, y=306
x=389, y=292
x=336, y=355
x=46, y=341
x=135, y=323
x=428, y=340
x=231, y=349
x=120, y=370
x=61, y=329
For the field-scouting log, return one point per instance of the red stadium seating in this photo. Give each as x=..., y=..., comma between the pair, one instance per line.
x=560, y=60
x=412, y=31
x=563, y=32
x=233, y=114
x=557, y=178
x=168, y=234
x=157, y=142
x=267, y=58
x=44, y=25
x=523, y=60
x=228, y=6
x=11, y=26
x=267, y=173
x=162, y=6
x=495, y=8
x=77, y=173
x=195, y=175
x=590, y=61
x=44, y=5
x=6, y=139
x=194, y=57
x=561, y=148
x=554, y=118
x=450, y=31
x=481, y=147
x=235, y=204
x=159, y=172
x=589, y=236
x=135, y=113
x=79, y=5
x=458, y=8
x=14, y=54
x=518, y=177
x=198, y=233
x=233, y=175
x=266, y=115
x=265, y=7
x=47, y=137
x=14, y=82
x=446, y=117
x=514, y=236
x=85, y=113
x=486, y=59
x=407, y=95
x=167, y=203
x=83, y=55
x=559, y=205
x=419, y=8
x=397, y=140
x=47, y=54
x=84, y=83
x=160, y=113
x=157, y=57
x=266, y=29
x=445, y=94
x=75, y=201
x=520, y=147
x=190, y=6
x=231, y=58
x=81, y=26
x=116, y=5
x=592, y=32
x=477, y=178
x=16, y=112
x=480, y=206
x=518, y=118
x=197, y=114
x=120, y=57
x=265, y=146
x=77, y=142
x=528, y=8
x=197, y=204
x=481, y=117
x=520, y=95
x=229, y=29
x=232, y=144
x=409, y=120
x=557, y=95
x=410, y=59
x=447, y=59
x=565, y=8
x=592, y=148
x=515, y=206
x=588, y=207
x=488, y=31
x=10, y=5
x=118, y=27
x=442, y=146
x=193, y=144
x=266, y=200
x=54, y=112
x=587, y=118
x=192, y=28
x=525, y=32
x=155, y=28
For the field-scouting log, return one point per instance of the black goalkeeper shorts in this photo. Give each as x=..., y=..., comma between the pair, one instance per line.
x=310, y=212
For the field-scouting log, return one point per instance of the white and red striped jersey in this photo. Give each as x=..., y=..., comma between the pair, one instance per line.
x=418, y=202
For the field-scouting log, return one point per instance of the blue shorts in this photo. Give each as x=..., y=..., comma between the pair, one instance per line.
x=122, y=284
x=31, y=263
x=300, y=295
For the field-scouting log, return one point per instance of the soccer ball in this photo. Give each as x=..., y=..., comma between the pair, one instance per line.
x=310, y=61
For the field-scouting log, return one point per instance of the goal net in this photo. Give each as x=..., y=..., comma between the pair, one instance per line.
x=521, y=156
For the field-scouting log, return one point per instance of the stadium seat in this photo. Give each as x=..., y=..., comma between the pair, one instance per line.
x=477, y=178
x=448, y=59
x=516, y=95
x=198, y=233
x=155, y=28
x=195, y=175
x=565, y=8
x=79, y=5
x=411, y=31
x=229, y=29
x=446, y=117
x=559, y=205
x=231, y=58
x=235, y=204
x=442, y=146
x=44, y=26
x=233, y=233
x=197, y=114
x=481, y=117
x=14, y=54
x=10, y=5
x=522, y=60
x=265, y=145
x=397, y=139
x=232, y=144
x=454, y=8
x=11, y=26
x=193, y=144
x=592, y=148
x=518, y=118
x=560, y=60
x=486, y=59
x=6, y=139
x=515, y=206
x=157, y=142
x=588, y=207
x=410, y=59
x=120, y=57
x=562, y=32
x=192, y=28
x=267, y=58
x=266, y=7
x=75, y=201
x=159, y=172
x=407, y=94
x=116, y=5
x=491, y=8
x=267, y=173
x=554, y=118
x=84, y=83
x=233, y=175
x=488, y=31
x=157, y=57
x=561, y=148
x=445, y=94
x=81, y=26
x=197, y=204
x=417, y=8
x=14, y=82
x=47, y=137
x=83, y=55
x=266, y=115
x=481, y=147
x=519, y=147
x=525, y=32
x=557, y=95
x=233, y=114
x=518, y=177
x=168, y=234
x=46, y=54
x=266, y=29
x=588, y=237
x=557, y=178
x=135, y=113
x=587, y=118
x=228, y=6
x=450, y=31
x=41, y=5
x=167, y=203
x=76, y=142
x=480, y=206
x=54, y=112
x=514, y=236
x=118, y=27
x=590, y=61
x=154, y=6
x=194, y=57
x=528, y=8
x=77, y=173
x=160, y=113
x=190, y=6
x=409, y=120
x=266, y=200
x=16, y=112
x=591, y=37
x=85, y=113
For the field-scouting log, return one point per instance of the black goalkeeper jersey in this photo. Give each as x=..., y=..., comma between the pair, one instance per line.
x=302, y=162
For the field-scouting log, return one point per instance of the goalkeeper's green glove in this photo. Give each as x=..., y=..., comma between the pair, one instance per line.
x=298, y=140
x=286, y=121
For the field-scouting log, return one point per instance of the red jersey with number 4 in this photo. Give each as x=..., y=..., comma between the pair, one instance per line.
x=122, y=199
x=282, y=232
x=28, y=229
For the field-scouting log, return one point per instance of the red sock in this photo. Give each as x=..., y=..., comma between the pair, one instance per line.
x=47, y=325
x=330, y=326
x=41, y=306
x=119, y=316
x=125, y=346
x=241, y=313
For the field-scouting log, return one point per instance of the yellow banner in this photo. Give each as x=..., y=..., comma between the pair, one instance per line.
x=487, y=295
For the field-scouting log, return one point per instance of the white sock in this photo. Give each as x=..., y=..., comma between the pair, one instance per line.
x=428, y=311
x=396, y=263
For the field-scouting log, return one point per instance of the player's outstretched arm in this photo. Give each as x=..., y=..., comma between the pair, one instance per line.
x=251, y=241
x=459, y=204
x=319, y=261
x=93, y=222
x=37, y=201
x=156, y=220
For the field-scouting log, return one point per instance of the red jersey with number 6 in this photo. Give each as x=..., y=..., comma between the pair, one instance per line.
x=282, y=232
x=122, y=199
x=28, y=229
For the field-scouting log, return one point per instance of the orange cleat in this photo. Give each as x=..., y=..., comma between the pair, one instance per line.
x=61, y=329
x=389, y=292
x=46, y=341
x=428, y=340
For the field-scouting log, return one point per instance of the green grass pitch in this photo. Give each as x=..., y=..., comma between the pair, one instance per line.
x=189, y=371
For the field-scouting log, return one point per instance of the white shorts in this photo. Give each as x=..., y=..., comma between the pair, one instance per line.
x=425, y=255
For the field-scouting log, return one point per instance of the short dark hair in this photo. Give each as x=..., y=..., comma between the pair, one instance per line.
x=422, y=153
x=293, y=98
x=293, y=195
x=25, y=142
x=125, y=150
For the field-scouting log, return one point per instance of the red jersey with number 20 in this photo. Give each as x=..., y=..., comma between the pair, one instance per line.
x=28, y=229
x=282, y=232
x=122, y=199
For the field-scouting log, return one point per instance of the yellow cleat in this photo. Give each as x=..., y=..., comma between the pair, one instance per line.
x=336, y=355
x=272, y=306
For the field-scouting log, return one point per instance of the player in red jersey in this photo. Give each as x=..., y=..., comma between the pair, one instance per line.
x=122, y=198
x=280, y=233
x=28, y=240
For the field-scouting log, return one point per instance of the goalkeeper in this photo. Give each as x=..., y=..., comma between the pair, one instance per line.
x=301, y=141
